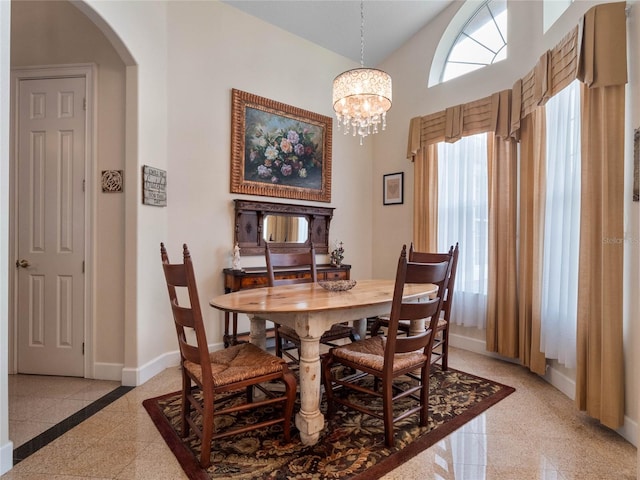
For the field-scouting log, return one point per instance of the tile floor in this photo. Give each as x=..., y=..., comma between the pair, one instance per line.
x=535, y=433
x=37, y=403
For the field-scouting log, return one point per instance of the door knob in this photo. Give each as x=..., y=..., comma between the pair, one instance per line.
x=22, y=263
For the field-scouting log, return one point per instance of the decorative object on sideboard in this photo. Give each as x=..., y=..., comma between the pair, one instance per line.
x=337, y=254
x=393, y=189
x=112, y=181
x=278, y=150
x=362, y=96
x=154, y=186
x=235, y=262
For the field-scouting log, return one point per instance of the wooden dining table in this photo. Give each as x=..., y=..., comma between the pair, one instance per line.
x=311, y=310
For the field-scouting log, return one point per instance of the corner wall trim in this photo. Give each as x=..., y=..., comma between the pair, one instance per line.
x=6, y=457
x=133, y=377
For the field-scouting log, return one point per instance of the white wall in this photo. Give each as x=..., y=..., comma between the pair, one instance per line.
x=410, y=67
x=183, y=122
x=57, y=33
x=178, y=119
x=6, y=446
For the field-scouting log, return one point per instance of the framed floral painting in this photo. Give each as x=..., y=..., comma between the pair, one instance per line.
x=278, y=150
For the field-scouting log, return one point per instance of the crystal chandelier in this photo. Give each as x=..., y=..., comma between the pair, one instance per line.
x=362, y=96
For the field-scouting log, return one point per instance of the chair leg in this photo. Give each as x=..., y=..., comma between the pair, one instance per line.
x=249, y=391
x=278, y=340
x=186, y=405
x=375, y=328
x=387, y=408
x=424, y=395
x=445, y=348
x=290, y=385
x=326, y=379
x=207, y=430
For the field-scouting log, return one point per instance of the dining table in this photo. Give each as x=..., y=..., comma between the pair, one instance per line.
x=311, y=309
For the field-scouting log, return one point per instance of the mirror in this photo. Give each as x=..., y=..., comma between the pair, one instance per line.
x=285, y=229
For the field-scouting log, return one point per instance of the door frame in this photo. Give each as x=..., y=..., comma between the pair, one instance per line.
x=89, y=72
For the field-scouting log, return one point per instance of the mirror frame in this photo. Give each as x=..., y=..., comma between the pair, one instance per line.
x=249, y=221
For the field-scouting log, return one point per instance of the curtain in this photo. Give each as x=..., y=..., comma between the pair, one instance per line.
x=601, y=66
x=600, y=376
x=462, y=217
x=502, y=307
x=600, y=360
x=561, y=228
x=425, y=203
x=532, y=176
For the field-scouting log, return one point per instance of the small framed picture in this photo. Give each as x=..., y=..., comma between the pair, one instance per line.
x=393, y=188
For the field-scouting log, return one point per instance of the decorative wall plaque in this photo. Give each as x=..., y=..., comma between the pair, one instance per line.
x=112, y=181
x=154, y=186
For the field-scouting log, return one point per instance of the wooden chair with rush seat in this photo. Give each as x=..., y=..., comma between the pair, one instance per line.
x=387, y=358
x=286, y=338
x=441, y=341
x=206, y=376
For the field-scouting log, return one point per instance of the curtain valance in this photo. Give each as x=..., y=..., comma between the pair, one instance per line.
x=578, y=55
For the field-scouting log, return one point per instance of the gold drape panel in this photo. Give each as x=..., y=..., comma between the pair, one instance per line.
x=532, y=201
x=600, y=357
x=600, y=376
x=425, y=211
x=502, y=307
x=595, y=53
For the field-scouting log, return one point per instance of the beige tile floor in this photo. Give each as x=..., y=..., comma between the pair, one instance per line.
x=535, y=433
x=37, y=403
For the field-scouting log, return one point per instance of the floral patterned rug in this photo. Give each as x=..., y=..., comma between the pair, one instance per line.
x=351, y=446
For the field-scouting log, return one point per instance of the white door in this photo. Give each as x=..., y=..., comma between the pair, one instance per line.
x=51, y=230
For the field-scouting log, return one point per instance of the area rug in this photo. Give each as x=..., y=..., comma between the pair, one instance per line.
x=351, y=445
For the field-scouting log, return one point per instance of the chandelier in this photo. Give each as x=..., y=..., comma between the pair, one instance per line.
x=362, y=96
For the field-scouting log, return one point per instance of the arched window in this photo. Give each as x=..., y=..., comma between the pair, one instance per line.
x=481, y=41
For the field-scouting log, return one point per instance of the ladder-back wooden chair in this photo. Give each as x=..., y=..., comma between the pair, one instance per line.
x=207, y=375
x=286, y=338
x=441, y=341
x=387, y=358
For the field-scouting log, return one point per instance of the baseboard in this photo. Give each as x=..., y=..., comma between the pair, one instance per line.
x=474, y=345
x=628, y=431
x=6, y=457
x=563, y=383
x=108, y=371
x=133, y=377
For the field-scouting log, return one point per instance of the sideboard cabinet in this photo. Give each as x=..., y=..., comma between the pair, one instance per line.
x=256, y=277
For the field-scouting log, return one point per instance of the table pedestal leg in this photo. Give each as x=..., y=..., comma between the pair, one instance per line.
x=417, y=326
x=309, y=419
x=257, y=332
x=360, y=326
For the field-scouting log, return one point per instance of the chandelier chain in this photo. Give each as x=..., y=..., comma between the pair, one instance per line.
x=362, y=33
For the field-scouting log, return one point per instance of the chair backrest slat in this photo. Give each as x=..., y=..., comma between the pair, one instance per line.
x=430, y=257
x=306, y=261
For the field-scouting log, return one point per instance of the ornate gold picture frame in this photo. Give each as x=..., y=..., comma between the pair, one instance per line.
x=278, y=150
